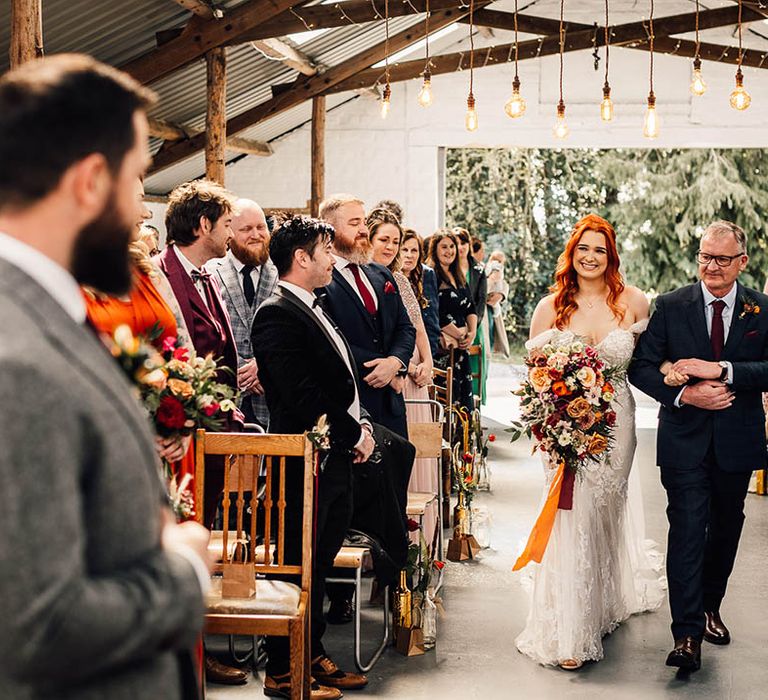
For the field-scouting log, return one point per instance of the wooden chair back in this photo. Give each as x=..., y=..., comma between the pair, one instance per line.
x=254, y=463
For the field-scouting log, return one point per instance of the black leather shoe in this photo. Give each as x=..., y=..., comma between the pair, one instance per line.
x=686, y=655
x=715, y=631
x=340, y=612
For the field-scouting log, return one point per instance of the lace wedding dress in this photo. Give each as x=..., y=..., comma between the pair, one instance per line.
x=597, y=569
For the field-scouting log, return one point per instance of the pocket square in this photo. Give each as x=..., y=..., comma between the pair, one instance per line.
x=752, y=334
x=389, y=288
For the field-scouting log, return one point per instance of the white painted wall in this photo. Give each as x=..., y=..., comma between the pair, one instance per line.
x=398, y=158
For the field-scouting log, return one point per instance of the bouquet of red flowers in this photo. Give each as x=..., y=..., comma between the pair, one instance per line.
x=566, y=406
x=566, y=403
x=178, y=389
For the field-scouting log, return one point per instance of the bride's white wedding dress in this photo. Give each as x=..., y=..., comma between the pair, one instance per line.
x=597, y=569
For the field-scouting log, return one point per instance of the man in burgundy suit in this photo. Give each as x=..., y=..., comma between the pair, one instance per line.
x=199, y=226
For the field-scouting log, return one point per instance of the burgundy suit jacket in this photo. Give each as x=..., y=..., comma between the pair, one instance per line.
x=210, y=330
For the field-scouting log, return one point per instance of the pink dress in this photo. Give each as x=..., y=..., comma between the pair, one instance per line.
x=425, y=471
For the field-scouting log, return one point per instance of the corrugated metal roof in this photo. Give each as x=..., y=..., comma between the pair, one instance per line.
x=116, y=31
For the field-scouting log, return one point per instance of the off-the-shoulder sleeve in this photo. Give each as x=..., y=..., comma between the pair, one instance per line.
x=639, y=327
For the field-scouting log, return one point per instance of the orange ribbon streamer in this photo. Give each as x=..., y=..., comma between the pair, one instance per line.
x=542, y=528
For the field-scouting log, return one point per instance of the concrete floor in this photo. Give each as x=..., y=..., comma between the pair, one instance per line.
x=486, y=606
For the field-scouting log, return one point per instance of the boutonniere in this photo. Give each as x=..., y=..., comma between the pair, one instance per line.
x=389, y=288
x=750, y=307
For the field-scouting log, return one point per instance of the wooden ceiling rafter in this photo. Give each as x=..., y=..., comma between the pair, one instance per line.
x=306, y=87
x=170, y=132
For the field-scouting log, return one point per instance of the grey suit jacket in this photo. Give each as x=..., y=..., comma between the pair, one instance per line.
x=91, y=606
x=241, y=315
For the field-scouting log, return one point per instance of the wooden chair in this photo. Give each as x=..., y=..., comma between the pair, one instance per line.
x=444, y=396
x=427, y=438
x=279, y=608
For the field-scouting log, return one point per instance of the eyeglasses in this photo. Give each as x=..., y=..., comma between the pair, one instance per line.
x=720, y=260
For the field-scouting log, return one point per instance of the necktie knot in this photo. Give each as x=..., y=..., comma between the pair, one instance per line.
x=718, y=305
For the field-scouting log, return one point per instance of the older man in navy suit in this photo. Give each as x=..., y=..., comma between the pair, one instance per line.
x=711, y=428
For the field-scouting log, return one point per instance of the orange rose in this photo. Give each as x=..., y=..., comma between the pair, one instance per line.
x=578, y=407
x=561, y=389
x=181, y=388
x=539, y=378
x=597, y=444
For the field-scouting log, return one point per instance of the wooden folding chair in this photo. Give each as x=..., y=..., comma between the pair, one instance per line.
x=279, y=608
x=427, y=438
x=443, y=394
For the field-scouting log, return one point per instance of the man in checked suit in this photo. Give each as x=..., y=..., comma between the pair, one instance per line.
x=247, y=277
x=99, y=596
x=307, y=370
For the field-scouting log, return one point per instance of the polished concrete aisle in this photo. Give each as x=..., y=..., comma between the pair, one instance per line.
x=486, y=607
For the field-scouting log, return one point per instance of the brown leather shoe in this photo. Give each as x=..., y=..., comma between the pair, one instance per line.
x=715, y=631
x=686, y=655
x=217, y=672
x=280, y=687
x=328, y=673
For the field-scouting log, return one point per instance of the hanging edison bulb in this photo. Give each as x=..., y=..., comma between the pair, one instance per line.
x=651, y=123
x=470, y=119
x=561, y=128
x=698, y=86
x=385, y=101
x=740, y=98
x=515, y=105
x=425, y=94
x=606, y=106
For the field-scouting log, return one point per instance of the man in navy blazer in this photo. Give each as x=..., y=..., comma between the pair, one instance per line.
x=711, y=428
x=365, y=303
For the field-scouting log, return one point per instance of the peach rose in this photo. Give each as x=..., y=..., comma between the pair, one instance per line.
x=156, y=378
x=578, y=407
x=597, y=444
x=181, y=388
x=587, y=377
x=539, y=378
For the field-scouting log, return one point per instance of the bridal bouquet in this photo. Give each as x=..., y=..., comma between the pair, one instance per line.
x=566, y=406
x=178, y=389
x=566, y=403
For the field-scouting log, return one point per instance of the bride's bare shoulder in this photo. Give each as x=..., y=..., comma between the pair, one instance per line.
x=636, y=302
x=543, y=316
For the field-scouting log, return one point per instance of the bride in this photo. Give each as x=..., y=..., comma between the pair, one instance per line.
x=596, y=571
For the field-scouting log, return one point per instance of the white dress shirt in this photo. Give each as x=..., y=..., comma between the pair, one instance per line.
x=57, y=281
x=189, y=268
x=255, y=274
x=342, y=265
x=308, y=299
x=709, y=312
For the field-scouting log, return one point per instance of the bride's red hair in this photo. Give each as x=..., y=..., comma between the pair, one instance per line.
x=566, y=280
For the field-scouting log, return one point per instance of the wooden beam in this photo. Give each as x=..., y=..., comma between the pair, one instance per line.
x=708, y=52
x=216, y=115
x=633, y=35
x=26, y=32
x=199, y=36
x=758, y=7
x=340, y=14
x=317, y=192
x=307, y=87
x=197, y=7
x=290, y=56
x=168, y=131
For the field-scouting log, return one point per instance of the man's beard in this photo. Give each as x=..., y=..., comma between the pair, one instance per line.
x=100, y=256
x=250, y=255
x=358, y=252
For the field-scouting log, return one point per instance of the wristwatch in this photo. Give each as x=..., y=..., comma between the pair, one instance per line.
x=724, y=371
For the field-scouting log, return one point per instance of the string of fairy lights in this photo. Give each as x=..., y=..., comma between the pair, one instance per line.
x=515, y=106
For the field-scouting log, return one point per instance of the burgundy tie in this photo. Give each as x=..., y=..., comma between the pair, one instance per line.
x=368, y=302
x=717, y=336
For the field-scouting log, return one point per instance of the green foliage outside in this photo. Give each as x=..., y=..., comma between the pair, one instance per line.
x=526, y=201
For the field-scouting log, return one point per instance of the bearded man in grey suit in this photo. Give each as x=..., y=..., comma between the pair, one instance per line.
x=248, y=277
x=101, y=594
